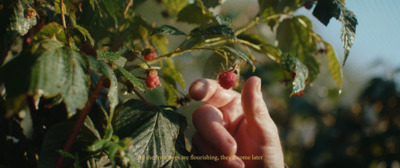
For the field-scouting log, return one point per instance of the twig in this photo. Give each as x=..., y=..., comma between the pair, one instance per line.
x=141, y=97
x=62, y=13
x=79, y=123
x=127, y=7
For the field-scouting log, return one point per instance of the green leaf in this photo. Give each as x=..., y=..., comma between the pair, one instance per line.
x=171, y=76
x=193, y=14
x=112, y=57
x=167, y=29
x=211, y=3
x=18, y=21
x=52, y=30
x=57, y=7
x=313, y=68
x=218, y=30
x=156, y=131
x=85, y=33
x=48, y=69
x=327, y=9
x=241, y=55
x=294, y=36
x=104, y=69
x=135, y=81
x=175, y=75
x=174, y=6
x=299, y=82
x=14, y=23
x=55, y=139
x=171, y=91
x=288, y=62
x=66, y=154
x=334, y=66
x=267, y=8
x=138, y=27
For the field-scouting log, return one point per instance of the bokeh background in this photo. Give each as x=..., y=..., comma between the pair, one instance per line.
x=359, y=127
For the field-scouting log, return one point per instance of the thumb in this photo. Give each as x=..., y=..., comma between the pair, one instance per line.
x=255, y=110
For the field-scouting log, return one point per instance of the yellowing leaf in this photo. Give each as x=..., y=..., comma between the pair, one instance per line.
x=334, y=66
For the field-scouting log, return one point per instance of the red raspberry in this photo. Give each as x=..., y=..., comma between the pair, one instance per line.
x=227, y=79
x=149, y=54
x=299, y=94
x=152, y=80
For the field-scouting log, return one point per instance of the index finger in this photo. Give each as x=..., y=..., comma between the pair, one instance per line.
x=211, y=92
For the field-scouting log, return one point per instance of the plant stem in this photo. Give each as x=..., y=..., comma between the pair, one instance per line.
x=62, y=13
x=256, y=21
x=79, y=123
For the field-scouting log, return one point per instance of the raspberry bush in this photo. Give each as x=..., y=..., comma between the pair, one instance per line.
x=77, y=69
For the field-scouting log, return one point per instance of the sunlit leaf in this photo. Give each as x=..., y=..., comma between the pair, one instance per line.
x=241, y=55
x=299, y=82
x=112, y=57
x=171, y=77
x=174, y=74
x=85, y=33
x=135, y=81
x=171, y=91
x=155, y=131
x=294, y=37
x=52, y=30
x=167, y=29
x=334, y=66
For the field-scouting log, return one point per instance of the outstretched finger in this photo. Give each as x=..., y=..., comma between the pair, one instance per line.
x=208, y=121
x=256, y=112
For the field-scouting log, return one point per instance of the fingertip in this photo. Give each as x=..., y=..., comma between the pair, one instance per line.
x=198, y=89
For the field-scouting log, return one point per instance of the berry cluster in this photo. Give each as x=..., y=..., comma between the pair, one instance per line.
x=149, y=54
x=152, y=80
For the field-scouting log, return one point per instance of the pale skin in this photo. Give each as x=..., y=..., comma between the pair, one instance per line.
x=234, y=124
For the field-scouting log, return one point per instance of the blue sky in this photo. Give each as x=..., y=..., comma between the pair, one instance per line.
x=377, y=37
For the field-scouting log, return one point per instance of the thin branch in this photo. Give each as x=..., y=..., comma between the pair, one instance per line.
x=127, y=7
x=256, y=21
x=62, y=13
x=79, y=123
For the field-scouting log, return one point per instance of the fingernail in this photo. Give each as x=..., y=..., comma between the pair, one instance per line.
x=198, y=89
x=258, y=86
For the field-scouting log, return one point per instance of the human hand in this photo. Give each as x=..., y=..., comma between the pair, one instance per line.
x=233, y=124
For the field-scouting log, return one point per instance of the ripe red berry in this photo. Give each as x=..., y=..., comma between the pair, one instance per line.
x=149, y=54
x=152, y=80
x=299, y=94
x=227, y=79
